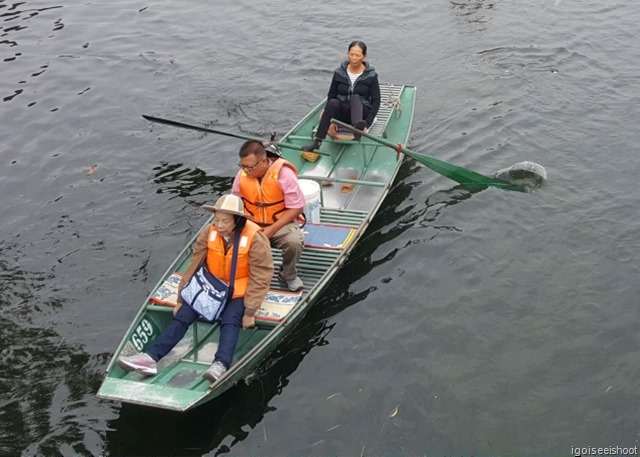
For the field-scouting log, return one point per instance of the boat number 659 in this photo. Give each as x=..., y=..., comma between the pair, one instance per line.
x=142, y=334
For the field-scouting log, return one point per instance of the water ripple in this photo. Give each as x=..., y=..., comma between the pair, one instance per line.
x=464, y=309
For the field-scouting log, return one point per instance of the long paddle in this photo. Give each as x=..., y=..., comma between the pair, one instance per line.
x=219, y=132
x=454, y=172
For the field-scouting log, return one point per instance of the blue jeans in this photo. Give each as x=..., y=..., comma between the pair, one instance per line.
x=230, y=323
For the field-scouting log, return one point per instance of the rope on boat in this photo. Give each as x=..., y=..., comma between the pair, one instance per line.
x=393, y=101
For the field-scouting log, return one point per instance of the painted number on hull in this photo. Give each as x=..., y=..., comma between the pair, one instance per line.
x=142, y=334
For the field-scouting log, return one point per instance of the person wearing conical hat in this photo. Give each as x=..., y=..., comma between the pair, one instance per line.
x=215, y=248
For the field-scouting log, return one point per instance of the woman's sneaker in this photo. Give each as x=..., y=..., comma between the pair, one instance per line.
x=141, y=363
x=215, y=371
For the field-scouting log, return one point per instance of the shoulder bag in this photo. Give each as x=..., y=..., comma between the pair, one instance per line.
x=206, y=294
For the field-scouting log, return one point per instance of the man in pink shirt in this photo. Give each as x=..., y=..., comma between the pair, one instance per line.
x=273, y=199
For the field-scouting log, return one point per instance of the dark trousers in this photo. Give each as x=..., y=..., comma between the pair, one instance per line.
x=230, y=323
x=348, y=112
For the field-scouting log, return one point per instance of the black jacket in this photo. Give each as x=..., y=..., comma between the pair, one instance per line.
x=366, y=86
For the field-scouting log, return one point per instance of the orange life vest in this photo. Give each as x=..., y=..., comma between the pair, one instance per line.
x=264, y=200
x=219, y=263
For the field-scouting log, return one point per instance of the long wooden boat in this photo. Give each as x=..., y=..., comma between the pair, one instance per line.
x=355, y=177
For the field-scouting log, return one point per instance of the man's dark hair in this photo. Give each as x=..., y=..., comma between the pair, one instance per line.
x=252, y=147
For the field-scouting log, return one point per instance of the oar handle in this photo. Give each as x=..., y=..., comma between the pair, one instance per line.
x=201, y=129
x=183, y=125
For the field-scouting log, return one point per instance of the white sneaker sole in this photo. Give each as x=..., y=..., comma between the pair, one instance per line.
x=209, y=377
x=137, y=368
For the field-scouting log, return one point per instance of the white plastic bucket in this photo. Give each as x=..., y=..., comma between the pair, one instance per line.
x=311, y=191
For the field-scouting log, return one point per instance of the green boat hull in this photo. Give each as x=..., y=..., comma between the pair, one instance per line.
x=356, y=176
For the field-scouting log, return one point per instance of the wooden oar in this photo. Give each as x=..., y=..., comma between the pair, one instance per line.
x=219, y=132
x=454, y=172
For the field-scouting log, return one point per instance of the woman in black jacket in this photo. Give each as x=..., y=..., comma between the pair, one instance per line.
x=354, y=95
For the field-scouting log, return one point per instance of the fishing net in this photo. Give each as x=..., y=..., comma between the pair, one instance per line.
x=526, y=174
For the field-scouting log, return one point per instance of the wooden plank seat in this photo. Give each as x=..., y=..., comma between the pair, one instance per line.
x=327, y=236
x=362, y=141
x=329, y=179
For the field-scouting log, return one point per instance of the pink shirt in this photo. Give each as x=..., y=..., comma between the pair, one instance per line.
x=293, y=195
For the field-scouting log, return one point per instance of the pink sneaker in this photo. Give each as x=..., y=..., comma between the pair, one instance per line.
x=141, y=363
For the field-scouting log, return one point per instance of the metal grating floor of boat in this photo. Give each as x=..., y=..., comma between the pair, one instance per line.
x=348, y=217
x=314, y=262
x=388, y=96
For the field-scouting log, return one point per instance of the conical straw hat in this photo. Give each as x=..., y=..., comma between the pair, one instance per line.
x=230, y=203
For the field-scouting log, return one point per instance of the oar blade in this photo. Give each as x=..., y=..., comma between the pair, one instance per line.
x=458, y=174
